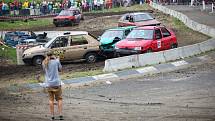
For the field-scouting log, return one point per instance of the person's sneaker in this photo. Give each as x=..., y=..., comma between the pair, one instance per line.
x=61, y=117
x=52, y=118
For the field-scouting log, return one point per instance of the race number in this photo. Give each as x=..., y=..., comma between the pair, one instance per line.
x=158, y=44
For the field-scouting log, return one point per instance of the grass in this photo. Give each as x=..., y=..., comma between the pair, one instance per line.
x=21, y=25
x=120, y=9
x=8, y=53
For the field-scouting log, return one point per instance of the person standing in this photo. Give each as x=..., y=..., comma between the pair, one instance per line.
x=52, y=66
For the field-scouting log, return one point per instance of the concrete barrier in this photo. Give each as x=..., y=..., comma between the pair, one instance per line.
x=190, y=50
x=173, y=54
x=207, y=45
x=151, y=58
x=121, y=63
x=186, y=20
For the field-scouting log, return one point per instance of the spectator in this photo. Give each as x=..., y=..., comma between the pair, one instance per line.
x=25, y=4
x=1, y=4
x=51, y=66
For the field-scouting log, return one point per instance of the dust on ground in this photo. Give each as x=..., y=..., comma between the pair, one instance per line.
x=157, y=97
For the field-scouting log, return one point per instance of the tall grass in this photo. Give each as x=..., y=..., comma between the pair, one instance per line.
x=8, y=53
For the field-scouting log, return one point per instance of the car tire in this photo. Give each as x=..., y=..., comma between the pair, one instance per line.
x=174, y=46
x=91, y=57
x=37, y=60
x=56, y=25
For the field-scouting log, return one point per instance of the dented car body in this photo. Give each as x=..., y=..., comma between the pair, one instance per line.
x=70, y=46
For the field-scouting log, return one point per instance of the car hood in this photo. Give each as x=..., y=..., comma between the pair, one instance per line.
x=147, y=23
x=35, y=49
x=62, y=17
x=131, y=43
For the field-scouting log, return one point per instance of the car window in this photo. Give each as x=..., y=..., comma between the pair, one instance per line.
x=112, y=34
x=158, y=34
x=78, y=40
x=129, y=18
x=60, y=42
x=140, y=34
x=66, y=13
x=165, y=32
x=142, y=17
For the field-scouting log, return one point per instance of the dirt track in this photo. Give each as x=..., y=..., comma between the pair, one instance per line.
x=95, y=24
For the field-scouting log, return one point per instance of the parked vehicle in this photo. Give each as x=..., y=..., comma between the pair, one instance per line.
x=13, y=38
x=146, y=39
x=111, y=36
x=68, y=17
x=18, y=37
x=69, y=46
x=138, y=19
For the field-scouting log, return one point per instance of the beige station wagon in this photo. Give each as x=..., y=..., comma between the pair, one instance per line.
x=69, y=46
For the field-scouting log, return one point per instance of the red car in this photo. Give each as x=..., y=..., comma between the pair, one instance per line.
x=68, y=17
x=138, y=19
x=146, y=39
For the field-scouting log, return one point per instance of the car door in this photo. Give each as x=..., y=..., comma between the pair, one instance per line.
x=77, y=48
x=60, y=47
x=166, y=38
x=77, y=16
x=157, y=42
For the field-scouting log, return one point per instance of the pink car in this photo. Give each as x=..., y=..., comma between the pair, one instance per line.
x=146, y=39
x=138, y=19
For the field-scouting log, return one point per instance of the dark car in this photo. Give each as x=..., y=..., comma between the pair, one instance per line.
x=68, y=17
x=138, y=19
x=146, y=39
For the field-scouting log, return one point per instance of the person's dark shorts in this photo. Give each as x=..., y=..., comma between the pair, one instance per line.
x=55, y=92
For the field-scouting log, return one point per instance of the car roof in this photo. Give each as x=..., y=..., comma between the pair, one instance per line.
x=74, y=33
x=148, y=27
x=137, y=13
x=123, y=28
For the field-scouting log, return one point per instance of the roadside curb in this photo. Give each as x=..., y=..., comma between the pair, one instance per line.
x=148, y=70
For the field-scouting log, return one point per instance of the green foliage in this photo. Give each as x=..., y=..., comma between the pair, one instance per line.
x=25, y=25
x=8, y=53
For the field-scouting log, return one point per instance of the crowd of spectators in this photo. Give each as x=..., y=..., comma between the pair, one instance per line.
x=46, y=7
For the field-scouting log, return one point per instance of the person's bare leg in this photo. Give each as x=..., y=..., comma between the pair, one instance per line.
x=60, y=107
x=51, y=104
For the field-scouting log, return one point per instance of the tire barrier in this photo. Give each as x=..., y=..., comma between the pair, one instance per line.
x=140, y=60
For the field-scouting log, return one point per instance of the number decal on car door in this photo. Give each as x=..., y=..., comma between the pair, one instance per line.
x=158, y=44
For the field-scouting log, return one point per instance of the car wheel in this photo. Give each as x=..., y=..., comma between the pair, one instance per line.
x=56, y=25
x=91, y=57
x=174, y=46
x=38, y=60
